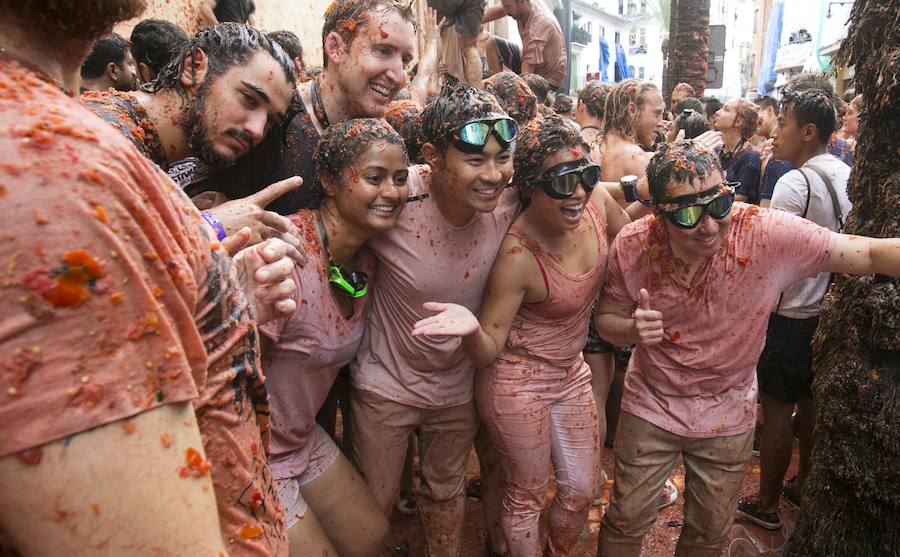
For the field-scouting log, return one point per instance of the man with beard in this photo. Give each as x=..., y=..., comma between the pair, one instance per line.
x=366, y=45
x=634, y=111
x=227, y=89
x=133, y=403
x=110, y=65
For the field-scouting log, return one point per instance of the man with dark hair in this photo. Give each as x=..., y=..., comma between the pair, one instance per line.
x=543, y=49
x=154, y=42
x=514, y=94
x=737, y=120
x=680, y=92
x=366, y=44
x=109, y=65
x=226, y=90
x=811, y=190
x=711, y=106
x=133, y=402
x=692, y=286
x=440, y=249
x=771, y=169
x=590, y=111
x=538, y=85
x=291, y=44
x=213, y=12
x=688, y=103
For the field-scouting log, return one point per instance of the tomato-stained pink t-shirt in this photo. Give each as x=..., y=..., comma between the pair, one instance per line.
x=701, y=380
x=307, y=352
x=115, y=300
x=422, y=259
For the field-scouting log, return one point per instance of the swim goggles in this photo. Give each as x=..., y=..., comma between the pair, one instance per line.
x=686, y=211
x=561, y=181
x=474, y=135
x=355, y=284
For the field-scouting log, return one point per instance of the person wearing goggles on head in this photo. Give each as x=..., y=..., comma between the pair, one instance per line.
x=457, y=214
x=692, y=286
x=362, y=167
x=533, y=387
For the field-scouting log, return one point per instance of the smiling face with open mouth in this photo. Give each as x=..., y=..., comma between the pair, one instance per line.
x=565, y=214
x=373, y=190
x=472, y=182
x=372, y=70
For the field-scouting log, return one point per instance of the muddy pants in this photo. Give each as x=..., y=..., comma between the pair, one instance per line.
x=538, y=414
x=381, y=430
x=645, y=456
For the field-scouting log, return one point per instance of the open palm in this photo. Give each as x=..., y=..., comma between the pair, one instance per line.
x=451, y=320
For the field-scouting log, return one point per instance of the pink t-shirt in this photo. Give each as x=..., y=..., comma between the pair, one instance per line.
x=114, y=302
x=422, y=259
x=701, y=380
x=309, y=349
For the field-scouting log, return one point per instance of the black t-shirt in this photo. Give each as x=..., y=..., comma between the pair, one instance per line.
x=279, y=156
x=234, y=10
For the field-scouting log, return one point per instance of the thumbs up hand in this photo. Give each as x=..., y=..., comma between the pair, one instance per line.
x=647, y=321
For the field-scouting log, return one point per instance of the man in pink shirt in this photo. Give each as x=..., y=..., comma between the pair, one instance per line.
x=441, y=248
x=693, y=285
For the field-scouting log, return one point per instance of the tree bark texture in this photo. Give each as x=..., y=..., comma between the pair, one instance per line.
x=688, y=46
x=851, y=504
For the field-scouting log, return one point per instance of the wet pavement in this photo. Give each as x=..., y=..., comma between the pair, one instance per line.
x=746, y=540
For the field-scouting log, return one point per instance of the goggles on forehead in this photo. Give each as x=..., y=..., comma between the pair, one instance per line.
x=561, y=181
x=474, y=135
x=687, y=211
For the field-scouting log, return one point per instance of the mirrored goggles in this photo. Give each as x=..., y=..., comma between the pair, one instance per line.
x=561, y=181
x=687, y=212
x=355, y=284
x=473, y=136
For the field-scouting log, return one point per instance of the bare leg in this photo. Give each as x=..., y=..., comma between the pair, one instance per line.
x=493, y=56
x=307, y=537
x=804, y=423
x=603, y=367
x=774, y=450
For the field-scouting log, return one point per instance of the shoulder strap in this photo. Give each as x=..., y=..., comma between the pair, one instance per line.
x=808, y=192
x=836, y=205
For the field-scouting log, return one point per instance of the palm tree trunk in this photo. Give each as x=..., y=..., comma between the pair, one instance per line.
x=852, y=496
x=688, y=45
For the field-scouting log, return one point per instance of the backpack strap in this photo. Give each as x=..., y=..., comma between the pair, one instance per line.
x=836, y=205
x=808, y=192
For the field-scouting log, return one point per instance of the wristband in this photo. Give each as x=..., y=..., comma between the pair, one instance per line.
x=214, y=222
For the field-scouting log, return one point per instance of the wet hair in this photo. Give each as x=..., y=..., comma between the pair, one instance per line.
x=748, y=113
x=804, y=81
x=692, y=122
x=593, y=97
x=616, y=111
x=711, y=105
x=767, y=101
x=403, y=95
x=538, y=85
x=290, y=43
x=111, y=49
x=405, y=116
x=347, y=17
x=513, y=92
x=67, y=20
x=689, y=103
x=457, y=104
x=682, y=162
x=537, y=141
x=685, y=88
x=857, y=101
x=563, y=104
x=226, y=45
x=154, y=42
x=812, y=106
x=342, y=144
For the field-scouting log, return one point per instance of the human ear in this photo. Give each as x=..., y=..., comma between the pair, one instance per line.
x=431, y=155
x=334, y=47
x=195, y=67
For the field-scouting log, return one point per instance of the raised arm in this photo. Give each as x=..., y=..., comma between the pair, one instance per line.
x=493, y=13
x=512, y=281
x=427, y=80
x=859, y=255
x=117, y=489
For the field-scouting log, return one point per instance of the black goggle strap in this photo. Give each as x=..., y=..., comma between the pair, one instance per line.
x=356, y=287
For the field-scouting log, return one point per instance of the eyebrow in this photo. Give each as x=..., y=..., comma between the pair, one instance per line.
x=258, y=91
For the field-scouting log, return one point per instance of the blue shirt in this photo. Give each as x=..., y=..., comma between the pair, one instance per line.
x=743, y=166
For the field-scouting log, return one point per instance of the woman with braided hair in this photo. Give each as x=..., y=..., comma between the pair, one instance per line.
x=533, y=387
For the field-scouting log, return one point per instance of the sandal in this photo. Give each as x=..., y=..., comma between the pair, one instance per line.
x=749, y=509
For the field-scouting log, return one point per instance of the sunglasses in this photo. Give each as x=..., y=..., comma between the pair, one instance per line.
x=355, y=284
x=474, y=135
x=561, y=181
x=689, y=210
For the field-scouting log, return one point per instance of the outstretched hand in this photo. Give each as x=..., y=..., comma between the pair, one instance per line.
x=647, y=321
x=711, y=139
x=451, y=320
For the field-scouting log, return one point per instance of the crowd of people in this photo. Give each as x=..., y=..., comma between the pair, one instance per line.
x=214, y=245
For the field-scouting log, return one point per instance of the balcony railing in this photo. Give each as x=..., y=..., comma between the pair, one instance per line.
x=580, y=36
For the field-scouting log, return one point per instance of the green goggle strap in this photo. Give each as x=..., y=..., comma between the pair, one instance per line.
x=336, y=278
